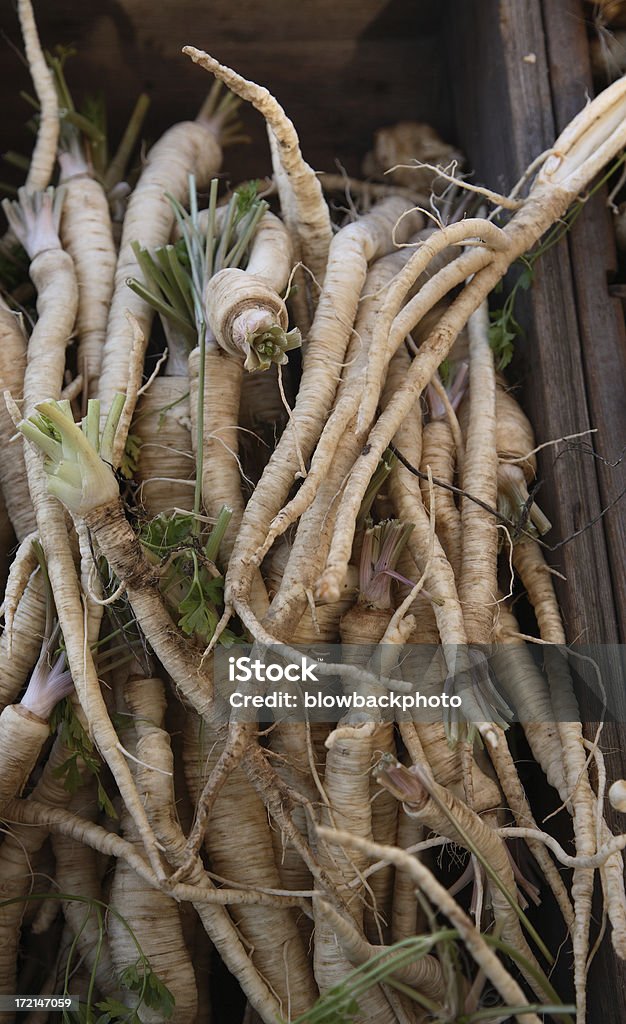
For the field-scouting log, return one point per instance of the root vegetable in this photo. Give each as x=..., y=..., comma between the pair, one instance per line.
x=18, y=657
x=191, y=147
x=283, y=964
x=44, y=155
x=438, y=452
x=478, y=584
x=337, y=449
x=16, y=852
x=91, y=494
x=157, y=927
x=22, y=736
x=428, y=553
x=410, y=144
x=484, y=957
x=439, y=811
x=364, y=624
x=517, y=801
x=290, y=905
x=165, y=466
x=292, y=739
x=87, y=236
x=12, y=469
x=305, y=197
x=529, y=563
x=346, y=782
x=53, y=275
x=249, y=319
x=23, y=565
x=350, y=251
x=424, y=974
x=517, y=464
x=405, y=915
x=596, y=131
x=221, y=471
x=154, y=775
x=77, y=872
x=377, y=918
x=440, y=282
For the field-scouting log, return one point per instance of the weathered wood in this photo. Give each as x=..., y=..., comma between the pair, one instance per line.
x=340, y=70
x=600, y=318
x=603, y=345
x=507, y=115
x=504, y=116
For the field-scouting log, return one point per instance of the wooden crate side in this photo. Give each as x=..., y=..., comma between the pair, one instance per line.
x=340, y=70
x=600, y=317
x=504, y=116
x=556, y=393
x=603, y=345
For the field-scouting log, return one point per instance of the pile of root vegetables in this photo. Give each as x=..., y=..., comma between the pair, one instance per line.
x=250, y=415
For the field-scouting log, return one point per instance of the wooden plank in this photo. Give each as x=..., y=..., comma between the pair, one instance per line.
x=601, y=326
x=594, y=258
x=337, y=84
x=505, y=119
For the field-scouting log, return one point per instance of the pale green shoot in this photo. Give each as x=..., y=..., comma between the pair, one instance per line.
x=77, y=474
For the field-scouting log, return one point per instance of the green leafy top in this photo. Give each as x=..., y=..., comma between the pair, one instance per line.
x=150, y=990
x=191, y=583
x=246, y=197
x=75, y=738
x=174, y=275
x=378, y=479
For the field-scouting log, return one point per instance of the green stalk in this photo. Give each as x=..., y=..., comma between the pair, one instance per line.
x=236, y=254
x=161, y=263
x=16, y=160
x=110, y=428
x=84, y=125
x=413, y=995
x=32, y=102
x=225, y=236
x=157, y=303
x=99, y=945
x=70, y=473
x=216, y=535
x=152, y=272
x=92, y=423
x=382, y=472
x=72, y=951
x=56, y=66
x=167, y=258
x=197, y=493
x=497, y=1012
x=180, y=278
x=210, y=237
x=539, y=976
x=336, y=1005
x=51, y=611
x=117, y=167
x=207, y=110
x=65, y=406
x=164, y=995
x=53, y=449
